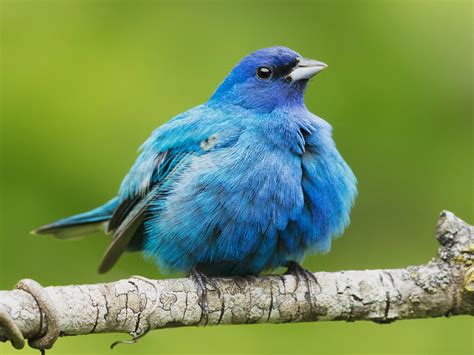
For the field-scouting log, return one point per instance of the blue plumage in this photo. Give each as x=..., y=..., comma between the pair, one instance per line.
x=245, y=182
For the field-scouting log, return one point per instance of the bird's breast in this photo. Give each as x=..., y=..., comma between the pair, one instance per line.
x=250, y=206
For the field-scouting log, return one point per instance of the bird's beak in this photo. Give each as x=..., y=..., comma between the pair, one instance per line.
x=306, y=69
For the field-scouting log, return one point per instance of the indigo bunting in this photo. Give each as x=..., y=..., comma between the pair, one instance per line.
x=246, y=182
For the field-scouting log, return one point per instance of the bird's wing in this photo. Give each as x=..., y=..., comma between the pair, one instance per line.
x=163, y=156
x=130, y=213
x=145, y=180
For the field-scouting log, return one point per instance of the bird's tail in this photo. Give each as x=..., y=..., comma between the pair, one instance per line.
x=80, y=224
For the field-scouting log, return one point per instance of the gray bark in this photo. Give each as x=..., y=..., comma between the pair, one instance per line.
x=442, y=287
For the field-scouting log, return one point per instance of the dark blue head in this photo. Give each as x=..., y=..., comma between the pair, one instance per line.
x=266, y=79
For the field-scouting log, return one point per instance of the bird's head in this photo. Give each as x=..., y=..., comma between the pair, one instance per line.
x=266, y=79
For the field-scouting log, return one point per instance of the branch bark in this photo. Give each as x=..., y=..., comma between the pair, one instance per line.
x=442, y=287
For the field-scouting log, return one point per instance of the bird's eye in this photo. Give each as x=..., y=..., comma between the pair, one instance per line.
x=264, y=73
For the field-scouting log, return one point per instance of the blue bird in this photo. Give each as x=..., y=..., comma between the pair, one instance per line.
x=246, y=182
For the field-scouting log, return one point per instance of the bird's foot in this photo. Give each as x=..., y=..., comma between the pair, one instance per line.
x=47, y=310
x=201, y=281
x=302, y=274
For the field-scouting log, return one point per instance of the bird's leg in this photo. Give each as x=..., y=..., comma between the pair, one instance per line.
x=201, y=281
x=300, y=273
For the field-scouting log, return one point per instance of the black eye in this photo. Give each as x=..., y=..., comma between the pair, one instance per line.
x=264, y=73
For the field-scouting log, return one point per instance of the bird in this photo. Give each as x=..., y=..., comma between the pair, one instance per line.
x=249, y=181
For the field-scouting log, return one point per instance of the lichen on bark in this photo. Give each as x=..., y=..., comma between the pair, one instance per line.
x=442, y=287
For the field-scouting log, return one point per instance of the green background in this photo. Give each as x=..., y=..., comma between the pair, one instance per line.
x=85, y=82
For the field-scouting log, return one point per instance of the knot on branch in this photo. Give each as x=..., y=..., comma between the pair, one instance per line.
x=456, y=240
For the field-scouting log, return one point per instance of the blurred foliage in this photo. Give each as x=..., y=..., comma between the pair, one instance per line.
x=85, y=82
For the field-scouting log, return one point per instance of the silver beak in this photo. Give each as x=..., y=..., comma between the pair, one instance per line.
x=306, y=69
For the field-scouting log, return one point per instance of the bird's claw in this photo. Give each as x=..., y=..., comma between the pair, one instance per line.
x=300, y=273
x=201, y=281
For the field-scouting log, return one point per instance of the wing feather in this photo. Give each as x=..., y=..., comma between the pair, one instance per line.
x=131, y=212
x=126, y=230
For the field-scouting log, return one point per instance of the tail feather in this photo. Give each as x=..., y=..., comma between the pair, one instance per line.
x=80, y=224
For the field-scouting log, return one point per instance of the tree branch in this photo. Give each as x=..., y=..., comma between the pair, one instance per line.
x=442, y=287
